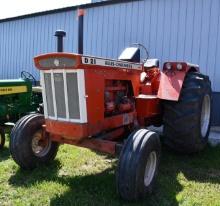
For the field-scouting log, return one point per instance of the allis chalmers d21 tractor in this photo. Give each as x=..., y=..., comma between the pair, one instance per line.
x=106, y=105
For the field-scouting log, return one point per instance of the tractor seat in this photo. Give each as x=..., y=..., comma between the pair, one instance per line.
x=151, y=63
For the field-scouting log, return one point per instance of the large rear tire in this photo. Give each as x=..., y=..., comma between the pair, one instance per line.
x=138, y=165
x=2, y=138
x=27, y=147
x=187, y=122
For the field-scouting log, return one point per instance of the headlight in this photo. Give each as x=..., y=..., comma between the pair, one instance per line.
x=168, y=66
x=179, y=66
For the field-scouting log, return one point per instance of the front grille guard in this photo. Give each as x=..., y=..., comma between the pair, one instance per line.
x=64, y=95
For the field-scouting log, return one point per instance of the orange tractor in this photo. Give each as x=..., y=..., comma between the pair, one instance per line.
x=106, y=105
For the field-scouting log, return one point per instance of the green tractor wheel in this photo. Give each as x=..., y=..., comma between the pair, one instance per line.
x=2, y=138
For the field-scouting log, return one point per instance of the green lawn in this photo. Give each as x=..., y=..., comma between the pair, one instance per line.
x=81, y=177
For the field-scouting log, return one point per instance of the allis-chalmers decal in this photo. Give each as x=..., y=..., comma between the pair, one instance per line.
x=110, y=63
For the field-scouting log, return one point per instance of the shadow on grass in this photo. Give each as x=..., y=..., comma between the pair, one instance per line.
x=100, y=189
x=27, y=178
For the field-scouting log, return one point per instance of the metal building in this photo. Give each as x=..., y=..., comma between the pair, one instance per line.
x=186, y=30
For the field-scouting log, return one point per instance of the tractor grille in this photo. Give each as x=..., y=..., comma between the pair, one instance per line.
x=64, y=95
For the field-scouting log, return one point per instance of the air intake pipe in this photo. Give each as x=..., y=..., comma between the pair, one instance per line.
x=80, y=30
x=60, y=34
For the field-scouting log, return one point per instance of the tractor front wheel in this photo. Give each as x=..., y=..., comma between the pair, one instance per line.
x=187, y=122
x=28, y=147
x=138, y=165
x=2, y=138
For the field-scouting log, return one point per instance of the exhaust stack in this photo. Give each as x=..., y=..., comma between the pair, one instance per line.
x=80, y=30
x=60, y=34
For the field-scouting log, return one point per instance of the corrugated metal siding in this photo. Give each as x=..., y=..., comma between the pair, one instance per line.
x=171, y=30
x=21, y=40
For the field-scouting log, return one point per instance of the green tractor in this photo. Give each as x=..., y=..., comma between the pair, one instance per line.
x=18, y=97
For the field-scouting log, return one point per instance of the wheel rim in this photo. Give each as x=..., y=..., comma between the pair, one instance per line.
x=205, y=115
x=150, y=168
x=40, y=146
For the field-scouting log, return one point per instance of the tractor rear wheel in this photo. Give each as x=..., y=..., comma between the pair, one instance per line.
x=27, y=145
x=2, y=138
x=138, y=165
x=187, y=122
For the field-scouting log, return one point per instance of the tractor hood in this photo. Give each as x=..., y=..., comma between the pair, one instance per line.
x=12, y=81
x=62, y=60
x=57, y=61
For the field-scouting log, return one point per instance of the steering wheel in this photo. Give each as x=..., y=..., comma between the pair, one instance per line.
x=145, y=49
x=29, y=76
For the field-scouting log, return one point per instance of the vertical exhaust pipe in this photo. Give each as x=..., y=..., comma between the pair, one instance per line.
x=60, y=34
x=80, y=30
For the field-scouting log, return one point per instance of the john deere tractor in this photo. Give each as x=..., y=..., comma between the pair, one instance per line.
x=18, y=97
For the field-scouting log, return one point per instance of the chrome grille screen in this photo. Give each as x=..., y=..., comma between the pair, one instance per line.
x=49, y=94
x=64, y=95
x=59, y=95
x=60, y=62
x=72, y=90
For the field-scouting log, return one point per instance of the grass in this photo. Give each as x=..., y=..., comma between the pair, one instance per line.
x=81, y=177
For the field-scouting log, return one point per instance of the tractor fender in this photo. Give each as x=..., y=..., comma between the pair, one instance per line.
x=171, y=80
